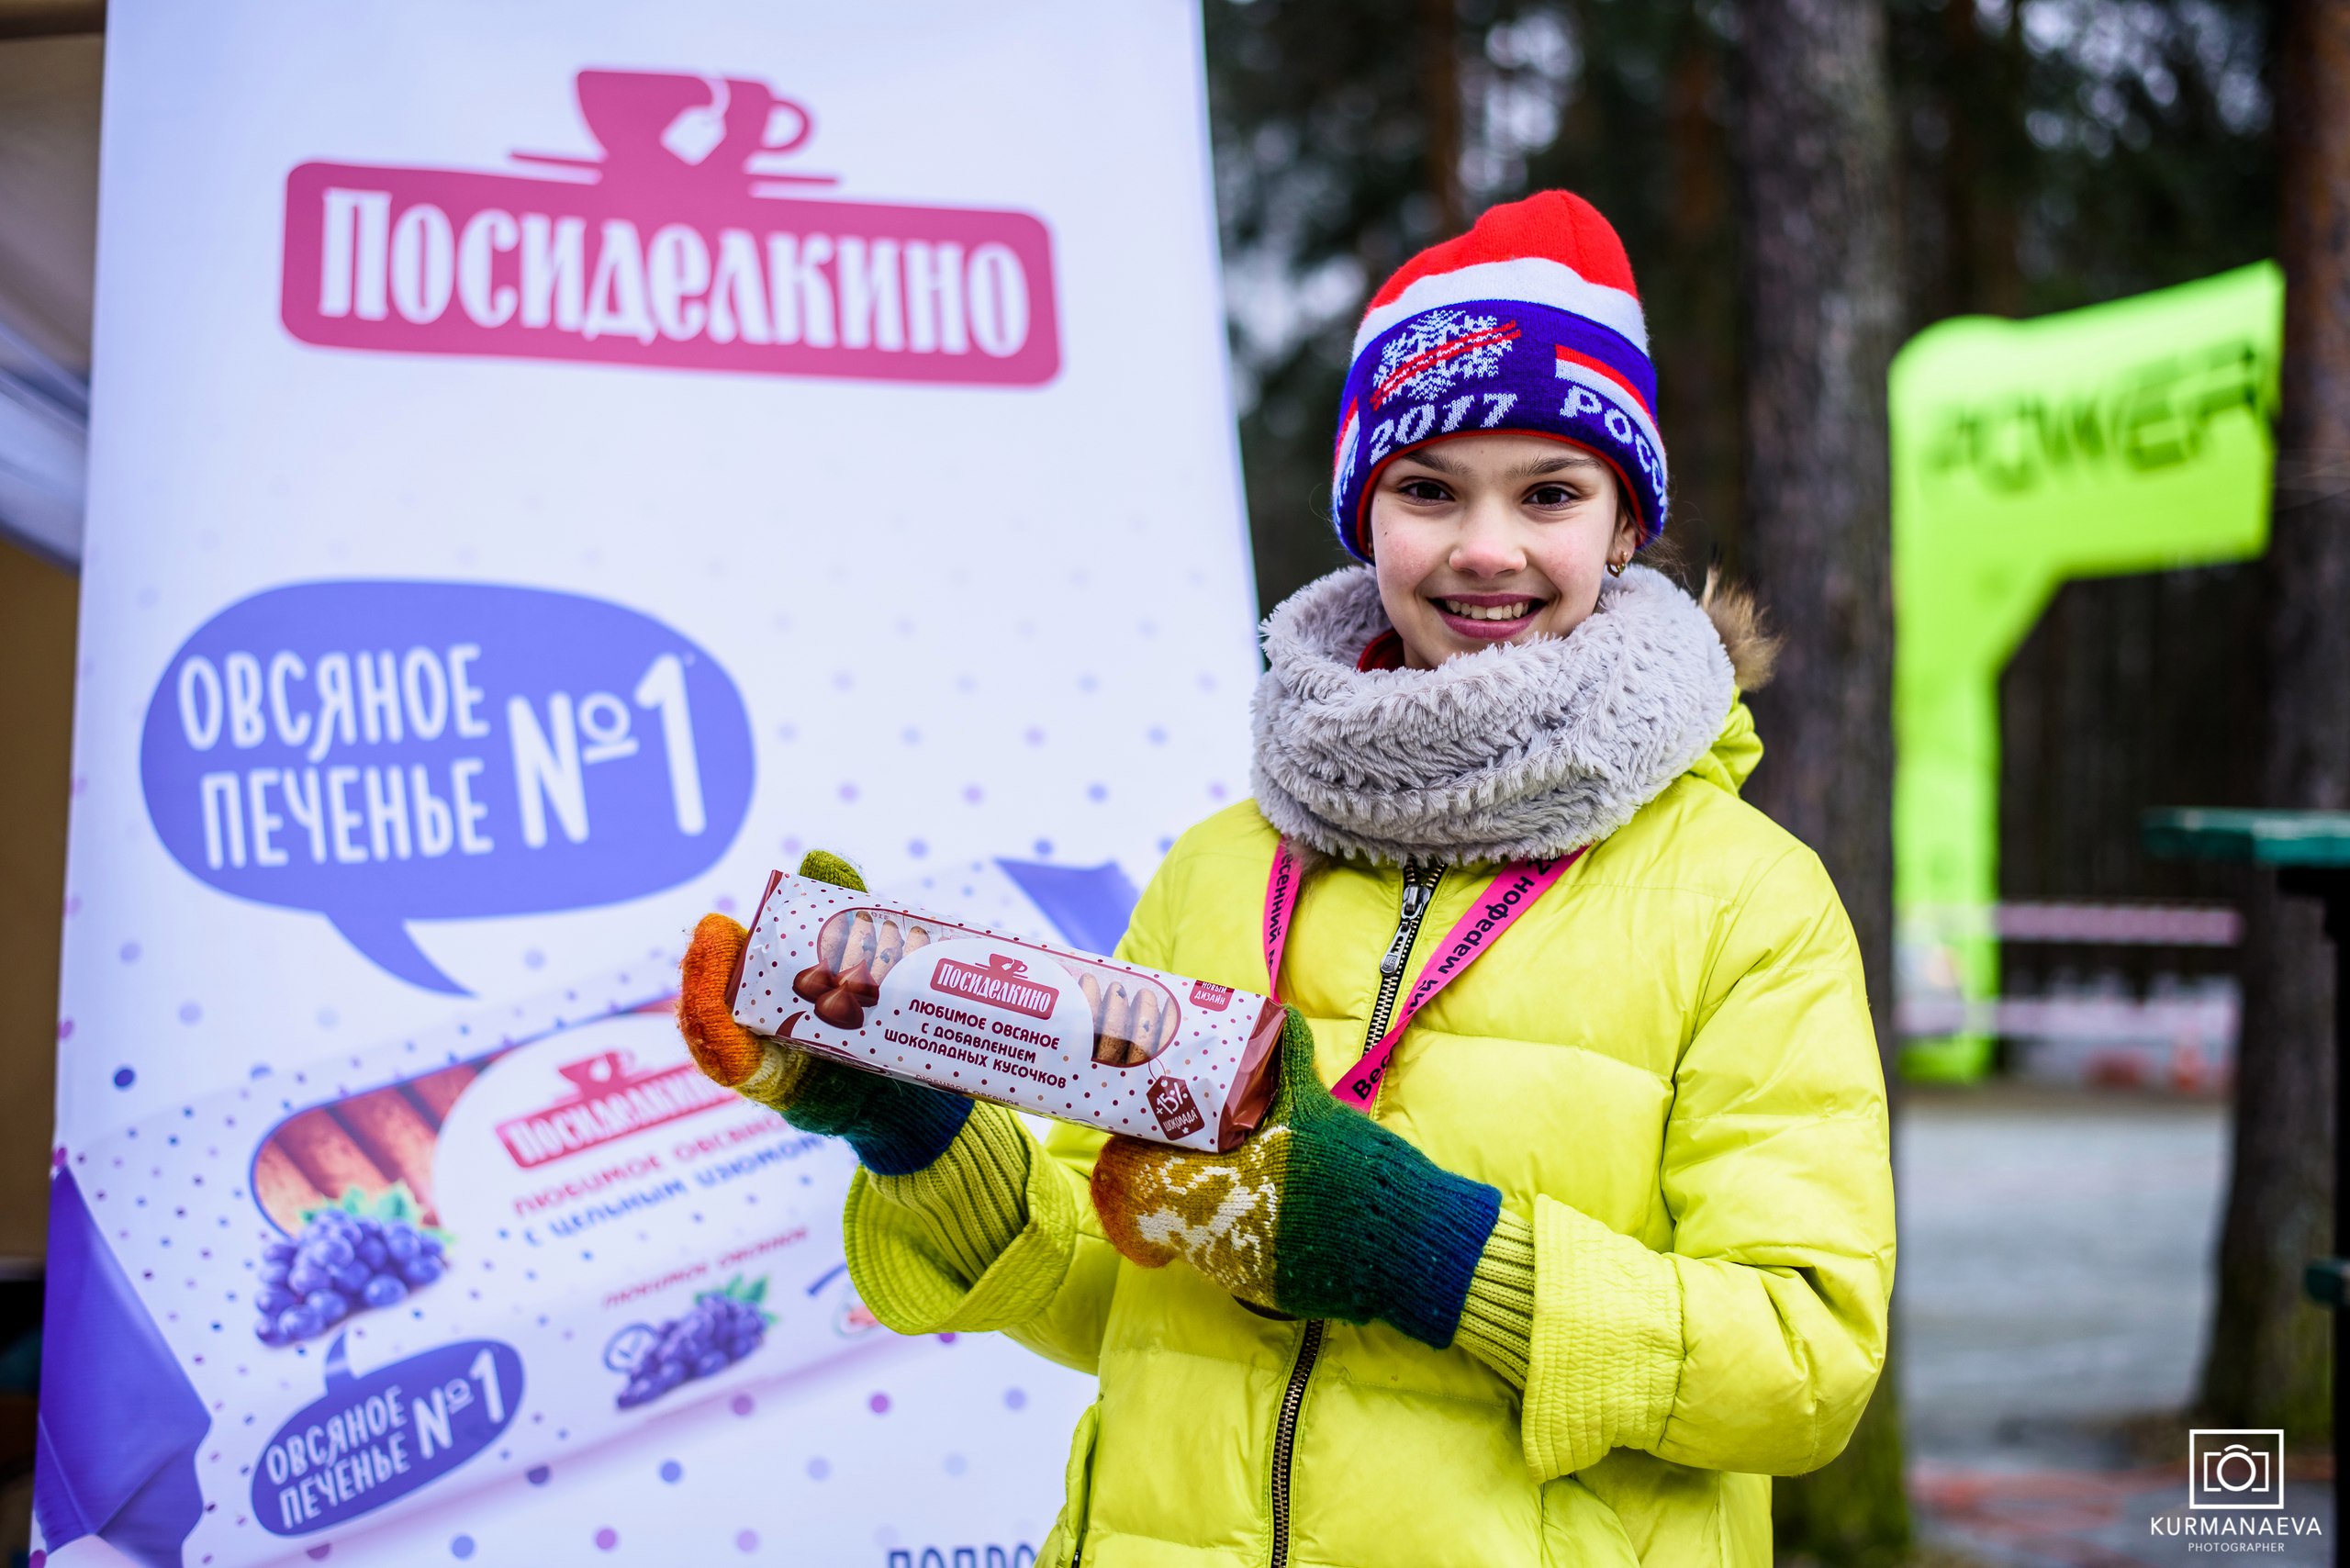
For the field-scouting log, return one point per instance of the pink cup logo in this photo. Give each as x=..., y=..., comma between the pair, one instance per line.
x=1003, y=982
x=609, y=1099
x=690, y=244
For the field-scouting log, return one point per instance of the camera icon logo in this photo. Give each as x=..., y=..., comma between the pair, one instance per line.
x=2235, y=1468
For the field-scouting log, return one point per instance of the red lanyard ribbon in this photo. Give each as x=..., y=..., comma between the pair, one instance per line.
x=1507, y=896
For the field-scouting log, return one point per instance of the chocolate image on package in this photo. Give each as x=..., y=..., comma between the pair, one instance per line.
x=1044, y=1028
x=855, y=951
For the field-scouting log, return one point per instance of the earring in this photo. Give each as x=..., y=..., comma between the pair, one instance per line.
x=1615, y=569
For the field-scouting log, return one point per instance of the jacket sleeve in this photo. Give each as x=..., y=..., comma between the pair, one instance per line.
x=995, y=1235
x=1025, y=1255
x=1753, y=1344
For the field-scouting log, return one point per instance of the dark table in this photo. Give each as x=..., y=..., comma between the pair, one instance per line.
x=2311, y=853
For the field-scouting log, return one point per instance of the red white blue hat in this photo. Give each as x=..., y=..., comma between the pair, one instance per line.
x=1528, y=322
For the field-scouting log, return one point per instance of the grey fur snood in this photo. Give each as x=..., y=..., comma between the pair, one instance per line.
x=1512, y=751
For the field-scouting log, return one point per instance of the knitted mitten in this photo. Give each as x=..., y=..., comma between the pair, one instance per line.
x=1323, y=1213
x=897, y=1128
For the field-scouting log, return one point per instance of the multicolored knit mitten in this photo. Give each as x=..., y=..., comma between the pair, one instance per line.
x=897, y=1128
x=1322, y=1214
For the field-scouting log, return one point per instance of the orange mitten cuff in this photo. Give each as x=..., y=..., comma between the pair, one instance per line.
x=722, y=1049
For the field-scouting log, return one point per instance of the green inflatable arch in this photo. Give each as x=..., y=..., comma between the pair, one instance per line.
x=2126, y=437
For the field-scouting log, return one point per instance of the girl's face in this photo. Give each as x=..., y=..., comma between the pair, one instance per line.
x=1486, y=538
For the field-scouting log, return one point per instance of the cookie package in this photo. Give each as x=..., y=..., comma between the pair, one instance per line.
x=1048, y=1029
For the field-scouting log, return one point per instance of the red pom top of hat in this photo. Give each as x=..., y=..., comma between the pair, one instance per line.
x=1557, y=226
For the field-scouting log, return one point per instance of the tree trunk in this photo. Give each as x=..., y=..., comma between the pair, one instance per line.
x=1692, y=311
x=1983, y=106
x=1816, y=152
x=2270, y=1353
x=1441, y=84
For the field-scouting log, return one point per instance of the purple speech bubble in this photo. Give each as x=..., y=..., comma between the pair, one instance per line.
x=383, y=752
x=377, y=1437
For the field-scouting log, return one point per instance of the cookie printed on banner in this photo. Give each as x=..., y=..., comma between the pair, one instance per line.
x=383, y=752
x=689, y=241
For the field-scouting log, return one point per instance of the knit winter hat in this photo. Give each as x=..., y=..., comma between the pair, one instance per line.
x=1527, y=322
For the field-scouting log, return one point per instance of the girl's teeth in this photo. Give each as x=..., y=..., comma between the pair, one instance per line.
x=1489, y=612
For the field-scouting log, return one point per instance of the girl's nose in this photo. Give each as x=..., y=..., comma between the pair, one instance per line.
x=1487, y=546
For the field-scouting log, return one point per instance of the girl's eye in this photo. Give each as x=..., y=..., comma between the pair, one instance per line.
x=1423, y=490
x=1550, y=495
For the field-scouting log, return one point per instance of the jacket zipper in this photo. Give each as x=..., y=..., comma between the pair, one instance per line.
x=1417, y=895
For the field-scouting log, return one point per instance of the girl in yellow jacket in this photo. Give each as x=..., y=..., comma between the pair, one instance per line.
x=1558, y=1260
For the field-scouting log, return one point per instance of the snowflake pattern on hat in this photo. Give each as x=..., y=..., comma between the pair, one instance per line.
x=1439, y=350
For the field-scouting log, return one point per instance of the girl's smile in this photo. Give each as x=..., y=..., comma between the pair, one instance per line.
x=1488, y=617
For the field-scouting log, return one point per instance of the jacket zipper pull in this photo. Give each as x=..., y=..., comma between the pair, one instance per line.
x=1415, y=895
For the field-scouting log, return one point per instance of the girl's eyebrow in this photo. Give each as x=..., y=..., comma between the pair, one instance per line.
x=1430, y=457
x=1564, y=460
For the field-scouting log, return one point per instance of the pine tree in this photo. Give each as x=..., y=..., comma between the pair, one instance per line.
x=2271, y=1349
x=1818, y=206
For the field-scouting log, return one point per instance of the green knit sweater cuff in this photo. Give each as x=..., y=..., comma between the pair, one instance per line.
x=1497, y=1320
x=973, y=1200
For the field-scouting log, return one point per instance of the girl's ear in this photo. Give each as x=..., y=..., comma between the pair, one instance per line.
x=1627, y=542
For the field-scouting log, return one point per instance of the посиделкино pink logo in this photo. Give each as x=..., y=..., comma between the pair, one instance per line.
x=609, y=1098
x=1003, y=982
x=690, y=245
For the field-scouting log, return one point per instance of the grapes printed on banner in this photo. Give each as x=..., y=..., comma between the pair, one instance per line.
x=358, y=1255
x=721, y=1328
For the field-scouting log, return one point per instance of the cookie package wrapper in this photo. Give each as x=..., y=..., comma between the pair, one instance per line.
x=1065, y=1034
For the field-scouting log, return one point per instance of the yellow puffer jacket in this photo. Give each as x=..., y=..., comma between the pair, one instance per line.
x=1667, y=1068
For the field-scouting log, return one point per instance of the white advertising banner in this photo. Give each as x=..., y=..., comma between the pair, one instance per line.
x=552, y=465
